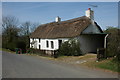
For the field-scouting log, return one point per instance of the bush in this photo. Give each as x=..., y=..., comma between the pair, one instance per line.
x=11, y=46
x=113, y=42
x=70, y=48
x=36, y=51
x=21, y=45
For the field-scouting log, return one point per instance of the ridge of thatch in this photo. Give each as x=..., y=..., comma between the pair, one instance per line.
x=63, y=29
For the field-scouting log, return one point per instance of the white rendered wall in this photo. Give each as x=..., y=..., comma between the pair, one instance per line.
x=36, y=44
x=43, y=43
x=55, y=43
x=64, y=39
x=30, y=42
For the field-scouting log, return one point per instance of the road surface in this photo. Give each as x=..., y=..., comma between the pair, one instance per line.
x=0, y=64
x=26, y=66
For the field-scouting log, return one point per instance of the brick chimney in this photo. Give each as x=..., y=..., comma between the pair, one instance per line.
x=90, y=13
x=57, y=19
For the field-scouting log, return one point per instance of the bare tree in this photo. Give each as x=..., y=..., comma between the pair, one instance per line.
x=9, y=21
x=13, y=33
x=10, y=31
x=33, y=27
x=27, y=28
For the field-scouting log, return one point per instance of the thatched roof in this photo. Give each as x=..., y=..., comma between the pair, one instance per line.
x=63, y=29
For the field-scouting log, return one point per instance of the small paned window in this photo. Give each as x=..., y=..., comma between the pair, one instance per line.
x=47, y=44
x=39, y=40
x=52, y=45
x=39, y=46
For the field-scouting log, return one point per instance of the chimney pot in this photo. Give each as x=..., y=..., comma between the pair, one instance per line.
x=89, y=8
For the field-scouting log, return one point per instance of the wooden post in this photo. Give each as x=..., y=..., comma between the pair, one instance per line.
x=98, y=55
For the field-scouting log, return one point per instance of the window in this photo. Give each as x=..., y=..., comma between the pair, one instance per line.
x=39, y=46
x=32, y=46
x=39, y=40
x=60, y=42
x=52, y=45
x=47, y=44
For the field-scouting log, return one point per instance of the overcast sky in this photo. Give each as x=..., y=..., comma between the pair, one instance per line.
x=106, y=14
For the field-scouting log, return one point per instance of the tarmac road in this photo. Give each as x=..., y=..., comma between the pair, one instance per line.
x=25, y=66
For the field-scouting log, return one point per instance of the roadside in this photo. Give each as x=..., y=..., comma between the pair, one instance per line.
x=26, y=66
x=0, y=64
x=7, y=50
x=88, y=60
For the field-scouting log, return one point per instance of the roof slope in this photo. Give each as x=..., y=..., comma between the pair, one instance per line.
x=63, y=29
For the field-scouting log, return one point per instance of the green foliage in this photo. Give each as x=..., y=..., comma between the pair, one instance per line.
x=36, y=51
x=109, y=64
x=10, y=37
x=14, y=36
x=21, y=45
x=70, y=48
x=113, y=42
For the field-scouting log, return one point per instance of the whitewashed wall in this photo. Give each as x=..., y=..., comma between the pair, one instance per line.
x=36, y=44
x=64, y=39
x=43, y=43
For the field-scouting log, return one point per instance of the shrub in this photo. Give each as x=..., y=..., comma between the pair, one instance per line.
x=36, y=51
x=21, y=45
x=11, y=46
x=113, y=42
x=70, y=48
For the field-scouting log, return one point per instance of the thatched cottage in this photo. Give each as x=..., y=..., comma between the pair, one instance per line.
x=48, y=37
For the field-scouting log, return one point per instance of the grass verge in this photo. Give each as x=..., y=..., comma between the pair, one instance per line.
x=6, y=50
x=108, y=64
x=89, y=60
